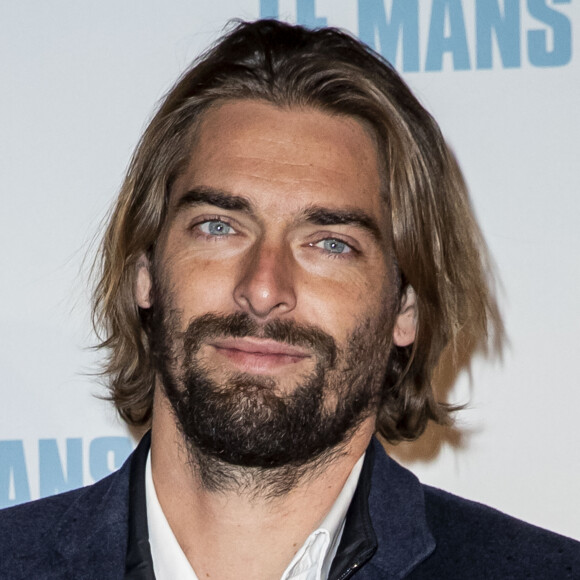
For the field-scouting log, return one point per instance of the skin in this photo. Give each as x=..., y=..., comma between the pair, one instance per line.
x=271, y=260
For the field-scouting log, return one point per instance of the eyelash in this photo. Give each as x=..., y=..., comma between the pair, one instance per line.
x=195, y=227
x=352, y=253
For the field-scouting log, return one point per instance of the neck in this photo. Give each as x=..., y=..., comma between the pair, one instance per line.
x=255, y=519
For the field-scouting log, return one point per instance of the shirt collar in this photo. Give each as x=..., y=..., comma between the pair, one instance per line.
x=169, y=561
x=311, y=562
x=314, y=558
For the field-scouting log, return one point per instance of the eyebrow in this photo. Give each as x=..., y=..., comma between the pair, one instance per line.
x=317, y=215
x=329, y=217
x=210, y=196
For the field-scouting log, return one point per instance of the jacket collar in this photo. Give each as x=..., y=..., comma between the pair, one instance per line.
x=397, y=505
x=386, y=527
x=139, y=564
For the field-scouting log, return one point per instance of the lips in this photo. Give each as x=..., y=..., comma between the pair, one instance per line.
x=260, y=356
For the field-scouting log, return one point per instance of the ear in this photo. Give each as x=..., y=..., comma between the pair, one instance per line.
x=406, y=323
x=142, y=289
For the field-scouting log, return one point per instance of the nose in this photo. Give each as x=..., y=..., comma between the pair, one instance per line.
x=266, y=285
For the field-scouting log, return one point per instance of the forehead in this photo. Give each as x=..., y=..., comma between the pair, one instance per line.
x=285, y=157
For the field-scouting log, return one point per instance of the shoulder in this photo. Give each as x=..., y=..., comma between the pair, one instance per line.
x=39, y=537
x=435, y=534
x=469, y=534
x=25, y=521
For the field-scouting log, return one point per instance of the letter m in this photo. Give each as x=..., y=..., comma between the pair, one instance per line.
x=382, y=33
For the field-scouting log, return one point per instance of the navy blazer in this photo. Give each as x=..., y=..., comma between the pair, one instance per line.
x=408, y=530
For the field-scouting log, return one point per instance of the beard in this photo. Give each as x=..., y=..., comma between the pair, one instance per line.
x=243, y=420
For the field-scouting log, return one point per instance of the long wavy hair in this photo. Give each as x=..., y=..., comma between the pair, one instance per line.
x=437, y=244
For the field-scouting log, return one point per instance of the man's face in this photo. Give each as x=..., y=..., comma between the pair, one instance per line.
x=274, y=296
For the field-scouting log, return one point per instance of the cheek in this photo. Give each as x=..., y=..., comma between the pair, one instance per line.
x=338, y=308
x=200, y=286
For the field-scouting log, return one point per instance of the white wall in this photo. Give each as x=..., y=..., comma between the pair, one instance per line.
x=79, y=81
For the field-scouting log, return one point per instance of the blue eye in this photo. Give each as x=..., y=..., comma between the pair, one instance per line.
x=335, y=246
x=216, y=228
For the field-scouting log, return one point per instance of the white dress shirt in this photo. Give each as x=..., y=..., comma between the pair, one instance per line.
x=311, y=562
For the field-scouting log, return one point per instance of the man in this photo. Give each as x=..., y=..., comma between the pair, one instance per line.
x=291, y=251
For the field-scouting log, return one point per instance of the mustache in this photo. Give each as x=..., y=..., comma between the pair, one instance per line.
x=241, y=325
